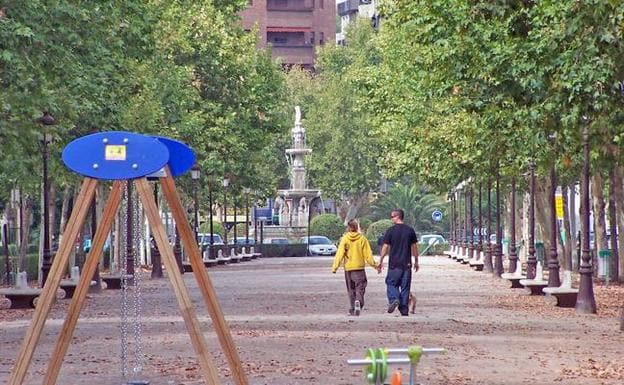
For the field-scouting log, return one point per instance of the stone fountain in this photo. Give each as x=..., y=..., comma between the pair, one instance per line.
x=294, y=204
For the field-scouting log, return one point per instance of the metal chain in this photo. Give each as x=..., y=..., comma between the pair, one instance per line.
x=138, y=299
x=124, y=286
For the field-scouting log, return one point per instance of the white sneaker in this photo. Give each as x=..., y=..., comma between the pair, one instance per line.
x=357, y=308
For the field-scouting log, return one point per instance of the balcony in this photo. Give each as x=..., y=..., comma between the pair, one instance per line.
x=302, y=54
x=290, y=5
x=348, y=7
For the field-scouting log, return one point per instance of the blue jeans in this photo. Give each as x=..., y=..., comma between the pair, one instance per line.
x=398, y=283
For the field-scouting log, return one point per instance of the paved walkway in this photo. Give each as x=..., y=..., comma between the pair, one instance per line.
x=288, y=317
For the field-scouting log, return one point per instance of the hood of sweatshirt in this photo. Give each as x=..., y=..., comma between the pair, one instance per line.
x=353, y=236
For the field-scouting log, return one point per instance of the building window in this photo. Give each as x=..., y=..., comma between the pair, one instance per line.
x=321, y=4
x=280, y=40
x=322, y=38
x=312, y=37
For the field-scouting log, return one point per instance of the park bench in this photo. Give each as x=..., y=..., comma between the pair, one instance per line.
x=477, y=263
x=69, y=287
x=255, y=254
x=208, y=261
x=246, y=254
x=221, y=258
x=450, y=253
x=21, y=298
x=565, y=294
x=113, y=281
x=515, y=277
x=535, y=285
x=235, y=256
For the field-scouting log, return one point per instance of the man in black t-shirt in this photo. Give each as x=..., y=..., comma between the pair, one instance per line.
x=402, y=244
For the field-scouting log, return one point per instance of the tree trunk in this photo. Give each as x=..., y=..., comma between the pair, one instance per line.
x=618, y=192
x=66, y=208
x=600, y=228
x=27, y=206
x=614, y=272
x=352, y=208
x=542, y=227
x=567, y=244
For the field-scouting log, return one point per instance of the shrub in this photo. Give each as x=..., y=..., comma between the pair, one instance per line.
x=434, y=249
x=329, y=225
x=376, y=230
x=290, y=250
x=217, y=228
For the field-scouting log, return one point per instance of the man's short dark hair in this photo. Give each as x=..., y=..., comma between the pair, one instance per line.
x=399, y=212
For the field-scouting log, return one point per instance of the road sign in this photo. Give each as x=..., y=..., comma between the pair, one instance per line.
x=436, y=215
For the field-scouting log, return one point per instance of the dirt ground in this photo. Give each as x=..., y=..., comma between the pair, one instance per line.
x=288, y=318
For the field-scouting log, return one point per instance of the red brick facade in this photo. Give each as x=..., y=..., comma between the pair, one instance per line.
x=293, y=28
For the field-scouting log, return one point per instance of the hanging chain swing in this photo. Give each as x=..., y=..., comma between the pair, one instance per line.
x=131, y=318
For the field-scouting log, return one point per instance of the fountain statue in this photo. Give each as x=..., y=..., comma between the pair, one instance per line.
x=293, y=205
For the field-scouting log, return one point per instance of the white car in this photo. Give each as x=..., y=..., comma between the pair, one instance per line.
x=319, y=245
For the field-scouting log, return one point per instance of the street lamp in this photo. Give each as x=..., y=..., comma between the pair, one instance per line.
x=210, y=217
x=532, y=260
x=585, y=302
x=225, y=183
x=246, y=190
x=46, y=120
x=553, y=262
x=195, y=173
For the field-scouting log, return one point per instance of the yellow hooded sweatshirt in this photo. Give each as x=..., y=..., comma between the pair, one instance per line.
x=353, y=251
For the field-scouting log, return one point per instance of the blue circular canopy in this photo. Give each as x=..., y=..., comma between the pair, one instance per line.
x=115, y=155
x=181, y=156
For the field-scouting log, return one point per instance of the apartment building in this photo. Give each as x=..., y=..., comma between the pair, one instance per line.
x=349, y=10
x=292, y=28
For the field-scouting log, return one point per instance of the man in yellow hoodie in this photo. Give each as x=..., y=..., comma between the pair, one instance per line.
x=353, y=252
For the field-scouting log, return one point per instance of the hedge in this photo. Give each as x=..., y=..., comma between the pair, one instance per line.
x=329, y=225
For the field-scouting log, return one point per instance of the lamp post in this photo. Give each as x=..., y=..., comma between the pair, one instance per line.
x=210, y=216
x=480, y=233
x=46, y=120
x=487, y=264
x=498, y=248
x=471, y=245
x=585, y=301
x=513, y=255
x=195, y=173
x=553, y=262
x=531, y=260
x=246, y=190
x=225, y=183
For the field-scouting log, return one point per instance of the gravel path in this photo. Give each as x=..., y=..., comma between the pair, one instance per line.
x=288, y=318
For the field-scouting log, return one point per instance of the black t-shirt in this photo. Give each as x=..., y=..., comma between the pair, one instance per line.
x=400, y=237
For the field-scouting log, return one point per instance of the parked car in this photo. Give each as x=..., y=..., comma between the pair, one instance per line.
x=204, y=239
x=432, y=239
x=276, y=241
x=242, y=241
x=319, y=245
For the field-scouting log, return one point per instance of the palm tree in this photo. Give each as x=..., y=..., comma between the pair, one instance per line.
x=417, y=204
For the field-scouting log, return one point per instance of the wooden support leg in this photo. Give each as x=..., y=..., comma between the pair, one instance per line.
x=203, y=280
x=60, y=350
x=74, y=225
x=177, y=282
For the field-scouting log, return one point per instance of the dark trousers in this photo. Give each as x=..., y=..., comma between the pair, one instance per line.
x=356, y=286
x=398, y=284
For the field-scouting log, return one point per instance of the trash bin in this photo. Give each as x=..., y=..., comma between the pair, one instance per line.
x=540, y=252
x=604, y=256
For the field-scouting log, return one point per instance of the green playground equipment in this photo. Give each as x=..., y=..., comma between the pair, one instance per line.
x=378, y=360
